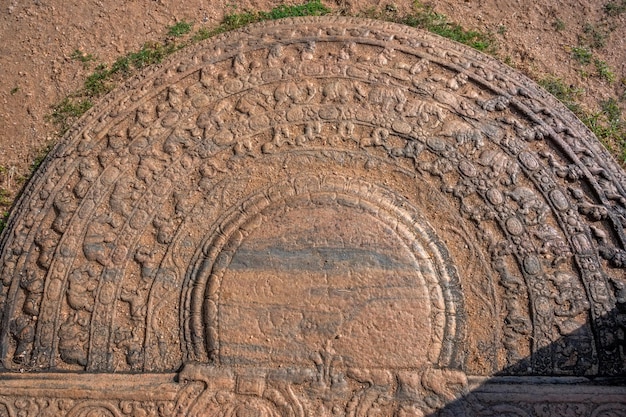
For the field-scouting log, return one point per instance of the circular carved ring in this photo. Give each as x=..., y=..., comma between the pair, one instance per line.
x=468, y=192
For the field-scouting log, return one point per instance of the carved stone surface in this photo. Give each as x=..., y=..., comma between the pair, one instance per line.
x=319, y=216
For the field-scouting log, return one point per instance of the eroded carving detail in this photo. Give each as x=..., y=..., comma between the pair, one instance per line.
x=397, y=176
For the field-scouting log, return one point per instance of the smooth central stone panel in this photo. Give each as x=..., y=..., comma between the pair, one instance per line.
x=314, y=278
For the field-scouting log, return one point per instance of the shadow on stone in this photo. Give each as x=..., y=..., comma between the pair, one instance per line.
x=517, y=391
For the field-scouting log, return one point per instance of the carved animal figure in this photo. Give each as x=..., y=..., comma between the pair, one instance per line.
x=252, y=103
x=73, y=337
x=499, y=164
x=96, y=243
x=552, y=243
x=82, y=283
x=426, y=113
x=23, y=331
x=337, y=91
x=292, y=93
x=388, y=97
x=447, y=384
x=378, y=138
x=531, y=207
x=570, y=297
x=33, y=286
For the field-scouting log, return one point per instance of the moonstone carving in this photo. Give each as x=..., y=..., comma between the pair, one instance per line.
x=318, y=216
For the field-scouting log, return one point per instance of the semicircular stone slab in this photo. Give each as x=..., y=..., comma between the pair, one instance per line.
x=310, y=216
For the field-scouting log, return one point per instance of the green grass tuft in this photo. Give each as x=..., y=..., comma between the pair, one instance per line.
x=594, y=36
x=5, y=201
x=582, y=54
x=83, y=57
x=39, y=158
x=609, y=128
x=424, y=17
x=179, y=29
x=606, y=123
x=4, y=217
x=585, y=57
x=150, y=54
x=565, y=94
x=201, y=35
x=615, y=8
x=558, y=25
x=236, y=20
x=67, y=112
x=604, y=71
x=96, y=83
x=310, y=8
x=612, y=111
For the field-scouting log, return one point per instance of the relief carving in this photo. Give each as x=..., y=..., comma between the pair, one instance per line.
x=343, y=392
x=318, y=216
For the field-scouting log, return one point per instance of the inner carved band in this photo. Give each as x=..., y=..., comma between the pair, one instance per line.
x=434, y=300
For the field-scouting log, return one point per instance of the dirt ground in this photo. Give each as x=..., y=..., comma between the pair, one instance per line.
x=40, y=36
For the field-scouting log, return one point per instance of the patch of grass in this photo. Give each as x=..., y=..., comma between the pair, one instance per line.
x=96, y=83
x=14, y=90
x=604, y=71
x=609, y=128
x=83, y=57
x=607, y=123
x=594, y=36
x=565, y=94
x=201, y=34
x=584, y=56
x=5, y=200
x=236, y=20
x=179, y=29
x=612, y=111
x=558, y=25
x=310, y=8
x=425, y=17
x=67, y=112
x=502, y=30
x=41, y=155
x=121, y=65
x=581, y=54
x=615, y=8
x=149, y=54
x=3, y=220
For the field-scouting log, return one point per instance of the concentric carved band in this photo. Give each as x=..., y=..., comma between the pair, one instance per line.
x=249, y=201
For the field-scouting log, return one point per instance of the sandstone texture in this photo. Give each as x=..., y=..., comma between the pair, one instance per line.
x=319, y=216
